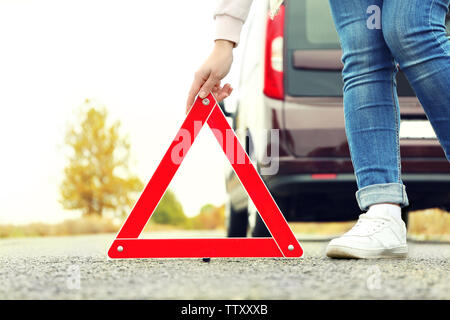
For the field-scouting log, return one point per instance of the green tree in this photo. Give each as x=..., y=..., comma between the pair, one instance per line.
x=169, y=211
x=97, y=177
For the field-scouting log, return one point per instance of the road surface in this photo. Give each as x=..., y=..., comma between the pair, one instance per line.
x=77, y=268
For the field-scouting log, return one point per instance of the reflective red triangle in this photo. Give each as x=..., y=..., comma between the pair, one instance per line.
x=282, y=243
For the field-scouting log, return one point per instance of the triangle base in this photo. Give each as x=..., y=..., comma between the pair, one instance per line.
x=197, y=248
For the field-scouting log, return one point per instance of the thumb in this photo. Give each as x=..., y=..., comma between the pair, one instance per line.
x=207, y=87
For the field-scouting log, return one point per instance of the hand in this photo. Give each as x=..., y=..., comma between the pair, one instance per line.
x=213, y=70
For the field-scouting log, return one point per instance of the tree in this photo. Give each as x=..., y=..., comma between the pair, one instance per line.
x=210, y=217
x=169, y=211
x=97, y=177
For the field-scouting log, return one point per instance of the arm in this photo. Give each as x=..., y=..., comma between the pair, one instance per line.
x=230, y=16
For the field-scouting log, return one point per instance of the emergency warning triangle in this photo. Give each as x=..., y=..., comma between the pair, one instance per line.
x=282, y=243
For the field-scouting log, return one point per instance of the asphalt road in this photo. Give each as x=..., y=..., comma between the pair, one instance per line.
x=77, y=268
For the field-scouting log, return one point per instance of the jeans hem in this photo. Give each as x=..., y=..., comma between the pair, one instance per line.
x=381, y=193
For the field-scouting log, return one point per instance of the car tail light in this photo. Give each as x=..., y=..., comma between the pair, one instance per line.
x=324, y=176
x=273, y=65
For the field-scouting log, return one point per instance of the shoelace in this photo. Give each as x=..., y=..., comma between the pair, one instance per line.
x=367, y=225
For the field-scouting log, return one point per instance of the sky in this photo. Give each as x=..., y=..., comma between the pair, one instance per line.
x=136, y=57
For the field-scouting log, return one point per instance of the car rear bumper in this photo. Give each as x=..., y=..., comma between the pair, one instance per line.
x=424, y=190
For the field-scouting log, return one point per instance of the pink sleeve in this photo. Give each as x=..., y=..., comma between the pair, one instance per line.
x=230, y=16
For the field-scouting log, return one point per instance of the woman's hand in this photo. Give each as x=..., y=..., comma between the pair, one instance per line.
x=213, y=70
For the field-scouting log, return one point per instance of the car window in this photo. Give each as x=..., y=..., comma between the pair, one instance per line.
x=309, y=26
x=323, y=32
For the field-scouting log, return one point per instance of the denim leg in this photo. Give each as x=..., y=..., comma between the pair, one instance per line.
x=370, y=105
x=415, y=33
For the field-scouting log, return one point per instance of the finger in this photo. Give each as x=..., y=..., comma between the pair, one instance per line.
x=192, y=93
x=196, y=85
x=219, y=93
x=216, y=89
x=226, y=91
x=222, y=93
x=208, y=86
x=227, y=88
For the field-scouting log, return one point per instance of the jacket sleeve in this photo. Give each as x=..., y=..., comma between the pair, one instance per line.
x=230, y=16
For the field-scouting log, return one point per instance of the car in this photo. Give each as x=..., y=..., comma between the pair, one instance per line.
x=291, y=83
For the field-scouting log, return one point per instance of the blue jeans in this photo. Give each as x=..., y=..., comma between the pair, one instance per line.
x=412, y=34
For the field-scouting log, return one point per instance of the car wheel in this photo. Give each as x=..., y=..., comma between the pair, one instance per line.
x=257, y=227
x=237, y=222
x=260, y=230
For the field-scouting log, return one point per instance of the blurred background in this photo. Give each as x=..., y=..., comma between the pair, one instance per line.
x=92, y=92
x=99, y=63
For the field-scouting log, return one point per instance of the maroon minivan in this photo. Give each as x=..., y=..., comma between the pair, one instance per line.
x=291, y=81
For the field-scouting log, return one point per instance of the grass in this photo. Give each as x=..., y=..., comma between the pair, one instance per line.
x=86, y=225
x=321, y=228
x=424, y=225
x=429, y=225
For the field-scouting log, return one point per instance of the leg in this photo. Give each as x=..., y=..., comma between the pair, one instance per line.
x=415, y=33
x=370, y=105
x=372, y=124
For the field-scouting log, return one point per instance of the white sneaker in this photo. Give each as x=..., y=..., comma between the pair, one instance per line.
x=375, y=235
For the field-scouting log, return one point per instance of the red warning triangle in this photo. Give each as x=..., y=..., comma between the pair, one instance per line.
x=282, y=243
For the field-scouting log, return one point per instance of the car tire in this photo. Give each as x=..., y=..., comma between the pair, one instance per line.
x=260, y=230
x=237, y=223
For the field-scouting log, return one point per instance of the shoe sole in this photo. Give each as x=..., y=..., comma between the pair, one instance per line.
x=342, y=252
